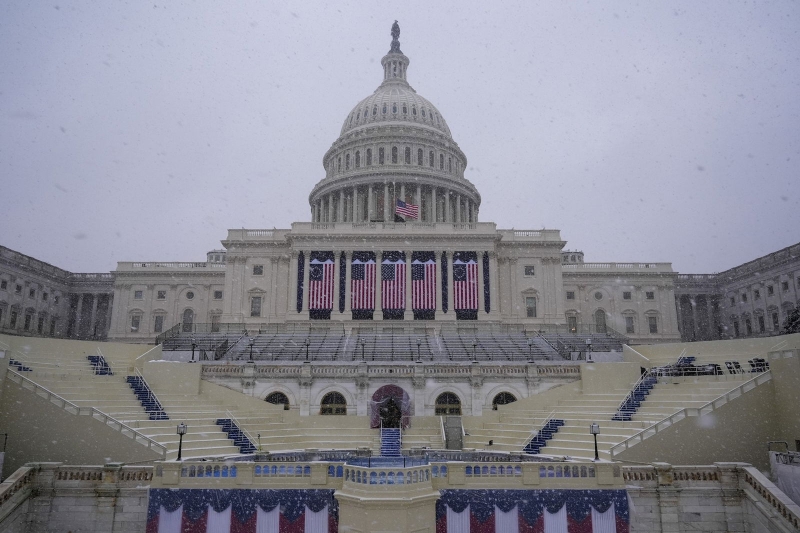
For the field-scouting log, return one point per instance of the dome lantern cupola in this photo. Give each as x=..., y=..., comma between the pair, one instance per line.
x=394, y=146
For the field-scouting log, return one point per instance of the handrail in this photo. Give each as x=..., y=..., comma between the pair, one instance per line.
x=145, y=353
x=444, y=435
x=240, y=426
x=661, y=425
x=74, y=409
x=20, y=479
x=630, y=393
x=151, y=395
x=535, y=432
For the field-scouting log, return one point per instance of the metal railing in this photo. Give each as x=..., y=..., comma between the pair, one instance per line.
x=73, y=409
x=690, y=411
x=254, y=442
x=151, y=396
x=171, y=332
x=633, y=389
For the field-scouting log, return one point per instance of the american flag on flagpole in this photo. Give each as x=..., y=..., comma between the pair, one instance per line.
x=465, y=281
x=423, y=281
x=362, y=293
x=393, y=281
x=406, y=210
x=320, y=281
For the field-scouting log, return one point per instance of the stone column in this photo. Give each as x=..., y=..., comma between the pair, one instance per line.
x=274, y=264
x=292, y=303
x=434, y=218
x=370, y=205
x=418, y=198
x=92, y=329
x=340, y=207
x=78, y=315
x=515, y=303
x=494, y=286
x=348, y=256
x=306, y=265
x=387, y=216
x=403, y=191
x=457, y=219
x=409, y=313
x=679, y=315
x=447, y=209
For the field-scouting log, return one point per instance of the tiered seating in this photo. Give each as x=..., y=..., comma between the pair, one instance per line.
x=325, y=346
x=236, y=435
x=490, y=346
x=634, y=400
x=210, y=342
x=146, y=397
x=390, y=347
x=566, y=343
x=20, y=367
x=390, y=442
x=543, y=435
x=100, y=365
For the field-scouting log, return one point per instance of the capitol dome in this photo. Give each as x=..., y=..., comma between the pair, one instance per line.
x=394, y=148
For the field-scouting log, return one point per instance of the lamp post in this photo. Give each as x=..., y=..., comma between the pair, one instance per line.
x=308, y=342
x=252, y=341
x=419, y=357
x=194, y=345
x=530, y=350
x=474, y=356
x=363, y=344
x=594, y=429
x=181, y=432
x=589, y=351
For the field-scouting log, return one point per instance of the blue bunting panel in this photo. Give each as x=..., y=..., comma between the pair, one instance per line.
x=244, y=502
x=531, y=505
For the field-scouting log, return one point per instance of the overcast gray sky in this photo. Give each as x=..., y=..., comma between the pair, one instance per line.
x=649, y=131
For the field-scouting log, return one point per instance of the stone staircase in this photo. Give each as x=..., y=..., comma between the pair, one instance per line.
x=390, y=442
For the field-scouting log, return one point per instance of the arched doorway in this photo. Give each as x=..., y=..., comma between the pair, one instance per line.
x=448, y=403
x=188, y=321
x=379, y=405
x=278, y=398
x=600, y=321
x=333, y=403
x=504, y=398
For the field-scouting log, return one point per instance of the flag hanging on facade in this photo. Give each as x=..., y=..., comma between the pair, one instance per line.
x=321, y=284
x=406, y=210
x=465, y=285
x=393, y=285
x=423, y=285
x=362, y=285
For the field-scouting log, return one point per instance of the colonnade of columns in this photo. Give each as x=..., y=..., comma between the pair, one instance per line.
x=376, y=203
x=348, y=257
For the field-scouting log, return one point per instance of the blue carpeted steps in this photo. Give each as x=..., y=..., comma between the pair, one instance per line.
x=236, y=435
x=634, y=400
x=99, y=365
x=20, y=366
x=390, y=442
x=545, y=434
x=146, y=398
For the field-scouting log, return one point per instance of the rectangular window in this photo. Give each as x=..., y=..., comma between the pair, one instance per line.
x=258, y=270
x=40, y=325
x=32, y=293
x=570, y=295
x=135, y=320
x=733, y=301
x=138, y=295
x=652, y=322
x=775, y=321
x=12, y=320
x=3, y=284
x=629, y=324
x=18, y=289
x=215, y=323
x=52, y=327
x=218, y=295
x=735, y=328
x=626, y=295
x=28, y=320
x=784, y=286
x=744, y=297
x=748, y=325
x=161, y=295
x=158, y=324
x=530, y=270
x=770, y=290
x=650, y=295
x=381, y=156
x=408, y=156
x=255, y=306
x=761, y=326
x=572, y=324
x=44, y=296
x=530, y=307
x=757, y=294
x=394, y=155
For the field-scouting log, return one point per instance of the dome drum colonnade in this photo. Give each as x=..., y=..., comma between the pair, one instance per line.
x=394, y=145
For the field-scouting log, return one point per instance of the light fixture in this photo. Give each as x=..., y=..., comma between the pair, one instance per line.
x=594, y=429
x=181, y=432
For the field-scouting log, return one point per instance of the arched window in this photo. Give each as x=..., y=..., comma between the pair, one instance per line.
x=333, y=403
x=380, y=156
x=347, y=161
x=384, y=109
x=405, y=109
x=358, y=117
x=419, y=157
x=278, y=398
x=339, y=164
x=358, y=158
x=188, y=320
x=450, y=164
x=408, y=155
x=600, y=321
x=374, y=110
x=430, y=159
x=394, y=155
x=503, y=398
x=448, y=403
x=394, y=108
x=441, y=161
x=423, y=112
x=369, y=157
x=414, y=110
